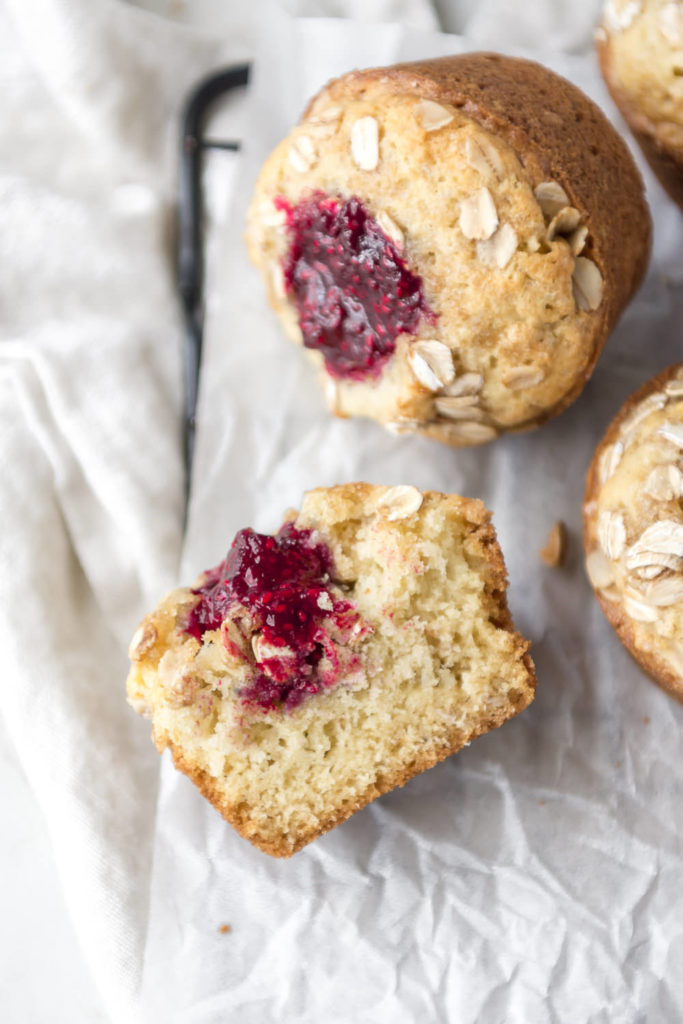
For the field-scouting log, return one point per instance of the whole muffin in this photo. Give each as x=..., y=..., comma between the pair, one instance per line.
x=633, y=527
x=313, y=670
x=452, y=241
x=640, y=46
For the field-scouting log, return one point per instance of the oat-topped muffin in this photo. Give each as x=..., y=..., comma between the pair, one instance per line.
x=452, y=242
x=318, y=668
x=640, y=45
x=633, y=527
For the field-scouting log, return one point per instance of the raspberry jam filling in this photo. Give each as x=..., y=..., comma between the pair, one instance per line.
x=354, y=292
x=283, y=584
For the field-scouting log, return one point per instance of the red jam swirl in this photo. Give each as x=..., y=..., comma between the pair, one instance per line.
x=353, y=290
x=283, y=583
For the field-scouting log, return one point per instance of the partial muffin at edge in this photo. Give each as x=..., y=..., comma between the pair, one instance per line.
x=640, y=48
x=633, y=527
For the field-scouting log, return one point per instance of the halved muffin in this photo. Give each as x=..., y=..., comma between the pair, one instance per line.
x=633, y=527
x=313, y=670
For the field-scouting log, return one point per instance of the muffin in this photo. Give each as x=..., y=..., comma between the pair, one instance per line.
x=633, y=527
x=313, y=670
x=640, y=46
x=452, y=241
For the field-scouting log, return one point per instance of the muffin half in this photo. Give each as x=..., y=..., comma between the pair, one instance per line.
x=313, y=670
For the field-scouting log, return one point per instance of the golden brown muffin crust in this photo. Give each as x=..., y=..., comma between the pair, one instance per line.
x=657, y=667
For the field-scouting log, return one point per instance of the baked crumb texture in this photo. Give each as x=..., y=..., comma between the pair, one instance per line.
x=633, y=527
x=513, y=200
x=640, y=46
x=436, y=664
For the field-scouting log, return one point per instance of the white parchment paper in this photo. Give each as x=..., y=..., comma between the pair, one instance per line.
x=536, y=875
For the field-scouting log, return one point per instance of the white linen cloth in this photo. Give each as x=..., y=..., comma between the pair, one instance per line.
x=533, y=877
x=90, y=400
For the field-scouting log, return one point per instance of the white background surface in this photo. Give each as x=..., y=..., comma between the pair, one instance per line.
x=43, y=976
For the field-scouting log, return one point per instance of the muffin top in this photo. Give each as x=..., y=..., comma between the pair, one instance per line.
x=634, y=523
x=645, y=43
x=509, y=293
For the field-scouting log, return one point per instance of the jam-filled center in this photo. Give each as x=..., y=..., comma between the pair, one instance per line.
x=353, y=290
x=283, y=584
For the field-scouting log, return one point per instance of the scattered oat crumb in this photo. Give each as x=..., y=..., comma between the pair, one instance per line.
x=555, y=546
x=646, y=720
x=617, y=764
x=224, y=929
x=541, y=803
